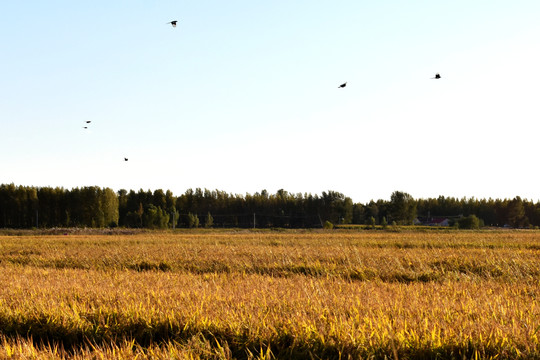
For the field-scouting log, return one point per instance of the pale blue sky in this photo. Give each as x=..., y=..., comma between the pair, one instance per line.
x=242, y=96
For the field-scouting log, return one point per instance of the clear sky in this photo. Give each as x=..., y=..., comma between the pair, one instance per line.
x=243, y=96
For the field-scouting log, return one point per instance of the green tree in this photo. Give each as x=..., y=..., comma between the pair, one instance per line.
x=209, y=222
x=371, y=211
x=150, y=216
x=193, y=221
x=358, y=214
x=174, y=218
x=109, y=207
x=122, y=206
x=336, y=207
x=516, y=213
x=402, y=208
x=159, y=199
x=155, y=217
x=469, y=222
x=162, y=220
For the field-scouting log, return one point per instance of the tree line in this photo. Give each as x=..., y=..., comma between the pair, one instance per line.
x=46, y=207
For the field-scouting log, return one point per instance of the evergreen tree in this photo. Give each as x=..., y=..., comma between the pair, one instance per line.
x=516, y=213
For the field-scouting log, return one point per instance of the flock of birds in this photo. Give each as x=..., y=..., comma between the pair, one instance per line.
x=175, y=22
x=86, y=125
x=87, y=122
x=437, y=76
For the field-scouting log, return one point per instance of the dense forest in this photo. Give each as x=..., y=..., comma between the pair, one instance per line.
x=46, y=207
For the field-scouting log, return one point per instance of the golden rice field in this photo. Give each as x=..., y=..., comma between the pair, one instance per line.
x=271, y=295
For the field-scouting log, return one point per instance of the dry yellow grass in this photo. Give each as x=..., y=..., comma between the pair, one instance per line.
x=271, y=295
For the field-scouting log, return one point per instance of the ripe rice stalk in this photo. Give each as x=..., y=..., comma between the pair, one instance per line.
x=272, y=295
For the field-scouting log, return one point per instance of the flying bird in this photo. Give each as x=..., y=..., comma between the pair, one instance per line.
x=88, y=121
x=125, y=159
x=173, y=23
x=342, y=85
x=437, y=76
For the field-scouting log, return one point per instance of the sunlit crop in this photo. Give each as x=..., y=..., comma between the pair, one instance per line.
x=271, y=295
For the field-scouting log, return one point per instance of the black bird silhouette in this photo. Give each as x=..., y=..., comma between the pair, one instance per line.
x=85, y=127
x=125, y=159
x=88, y=121
x=173, y=23
x=437, y=76
x=342, y=85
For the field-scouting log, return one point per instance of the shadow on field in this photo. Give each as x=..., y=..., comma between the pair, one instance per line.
x=437, y=270
x=45, y=332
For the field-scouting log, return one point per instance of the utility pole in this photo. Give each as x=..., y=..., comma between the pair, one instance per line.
x=254, y=220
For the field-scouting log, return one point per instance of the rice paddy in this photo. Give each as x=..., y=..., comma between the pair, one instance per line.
x=271, y=295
